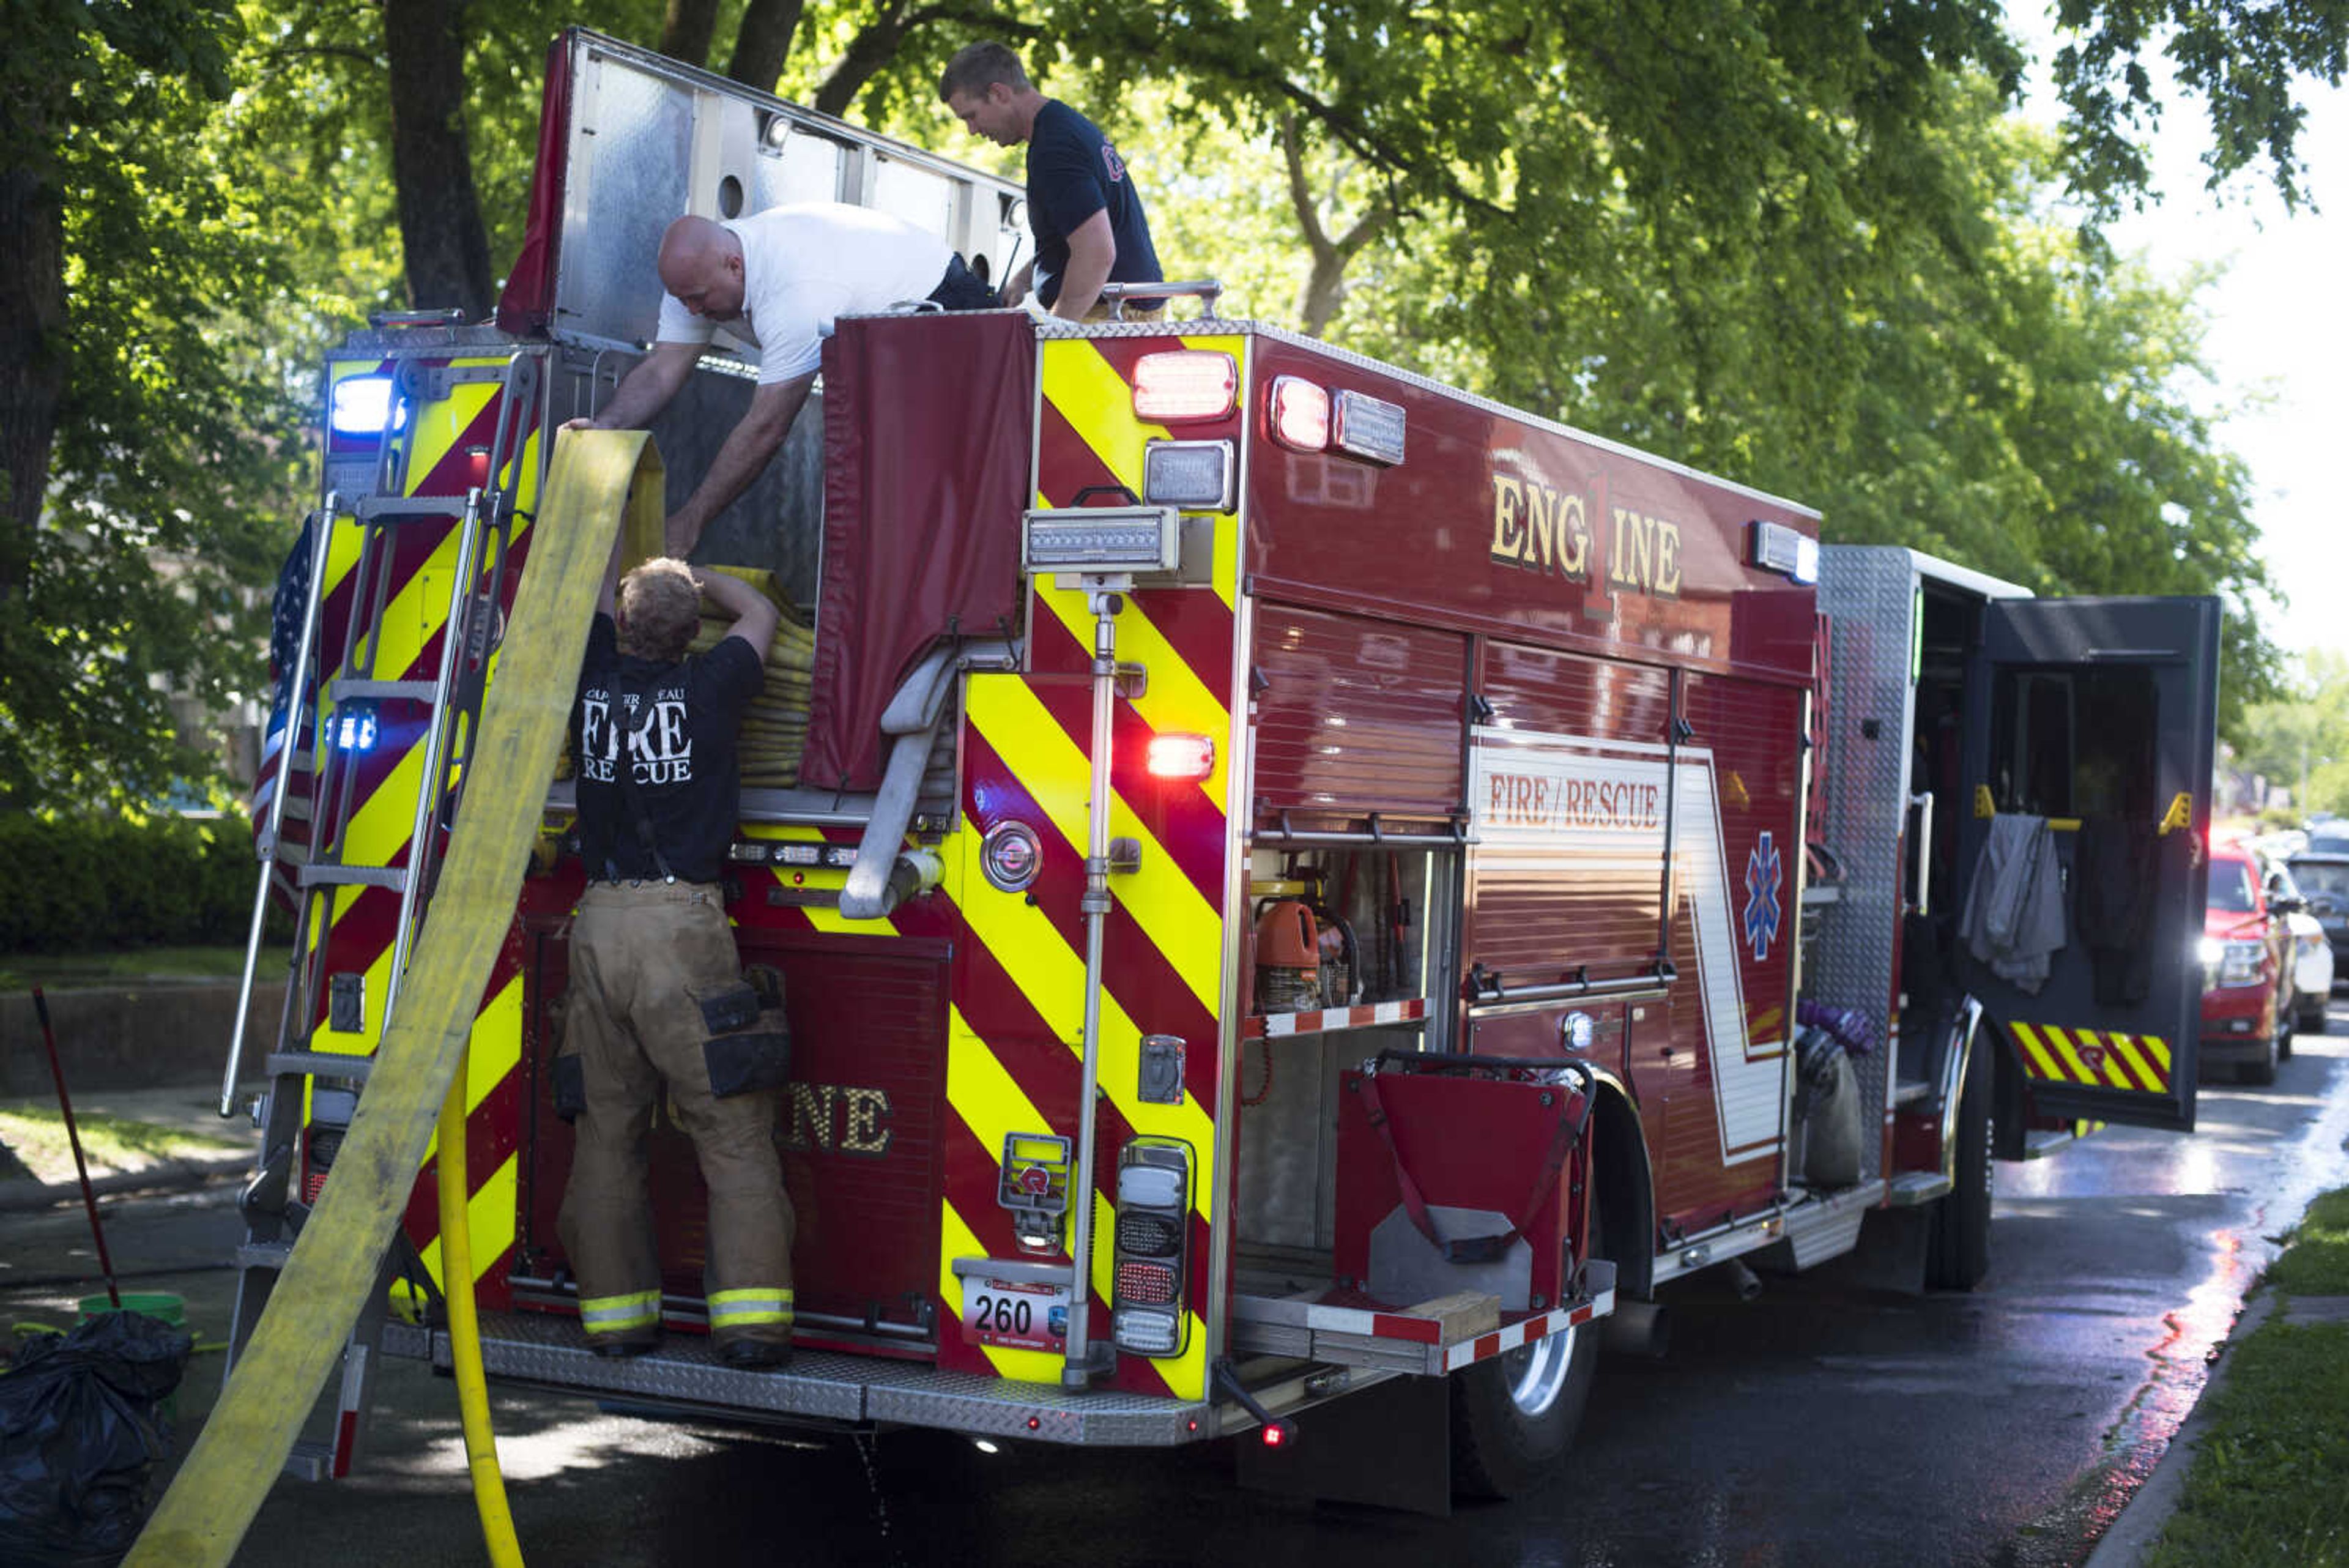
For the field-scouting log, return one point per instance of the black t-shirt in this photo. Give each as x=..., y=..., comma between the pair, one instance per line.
x=680, y=722
x=1072, y=173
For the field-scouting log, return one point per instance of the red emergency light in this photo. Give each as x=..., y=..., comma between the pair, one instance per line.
x=1186, y=384
x=1299, y=413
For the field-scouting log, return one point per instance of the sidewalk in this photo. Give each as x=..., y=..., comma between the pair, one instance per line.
x=191, y=1145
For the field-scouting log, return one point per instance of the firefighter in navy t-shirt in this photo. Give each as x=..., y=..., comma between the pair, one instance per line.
x=657, y=992
x=1082, y=207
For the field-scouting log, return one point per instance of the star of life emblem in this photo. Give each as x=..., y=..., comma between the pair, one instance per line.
x=1764, y=870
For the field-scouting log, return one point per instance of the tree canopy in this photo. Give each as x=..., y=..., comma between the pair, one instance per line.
x=1801, y=243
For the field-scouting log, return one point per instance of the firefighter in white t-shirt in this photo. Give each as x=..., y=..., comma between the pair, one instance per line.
x=775, y=283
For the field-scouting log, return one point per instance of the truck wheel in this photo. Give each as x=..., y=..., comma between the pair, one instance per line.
x=1515, y=1415
x=1957, y=1254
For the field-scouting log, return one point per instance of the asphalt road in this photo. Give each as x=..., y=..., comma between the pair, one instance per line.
x=1817, y=1423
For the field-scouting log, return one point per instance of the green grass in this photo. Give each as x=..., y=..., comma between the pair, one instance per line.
x=61, y=971
x=36, y=1137
x=2270, y=1480
x=2317, y=1264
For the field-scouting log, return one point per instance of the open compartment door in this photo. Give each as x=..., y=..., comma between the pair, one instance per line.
x=2099, y=715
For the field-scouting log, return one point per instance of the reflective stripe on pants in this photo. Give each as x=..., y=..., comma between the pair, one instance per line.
x=618, y=1315
x=739, y=1309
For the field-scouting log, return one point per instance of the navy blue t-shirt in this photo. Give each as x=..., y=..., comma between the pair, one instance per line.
x=1072, y=173
x=675, y=725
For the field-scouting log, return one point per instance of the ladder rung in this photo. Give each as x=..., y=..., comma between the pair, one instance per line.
x=317, y=1064
x=410, y=508
x=394, y=690
x=392, y=876
x=264, y=1254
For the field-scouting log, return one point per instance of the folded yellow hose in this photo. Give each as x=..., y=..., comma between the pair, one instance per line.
x=598, y=478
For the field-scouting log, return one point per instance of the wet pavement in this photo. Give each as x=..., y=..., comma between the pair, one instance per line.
x=1817, y=1423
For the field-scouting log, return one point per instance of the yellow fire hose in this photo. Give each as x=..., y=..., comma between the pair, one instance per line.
x=599, y=479
x=465, y=1333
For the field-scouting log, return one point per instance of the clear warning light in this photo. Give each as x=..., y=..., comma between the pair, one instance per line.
x=1189, y=757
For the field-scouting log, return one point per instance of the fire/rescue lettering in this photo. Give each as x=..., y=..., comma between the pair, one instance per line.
x=1644, y=556
x=1540, y=529
x=832, y=1119
x=1540, y=801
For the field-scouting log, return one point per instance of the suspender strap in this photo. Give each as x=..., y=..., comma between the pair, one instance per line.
x=631, y=796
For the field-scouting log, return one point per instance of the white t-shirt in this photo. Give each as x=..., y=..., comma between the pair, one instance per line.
x=804, y=265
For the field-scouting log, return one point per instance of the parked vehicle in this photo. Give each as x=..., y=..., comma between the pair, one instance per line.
x=2312, y=966
x=2320, y=872
x=2247, y=973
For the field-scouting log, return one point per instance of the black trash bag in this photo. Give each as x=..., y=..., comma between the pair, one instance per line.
x=80, y=1431
x=1826, y=1102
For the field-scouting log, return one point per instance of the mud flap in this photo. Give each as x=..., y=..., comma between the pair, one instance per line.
x=1388, y=1446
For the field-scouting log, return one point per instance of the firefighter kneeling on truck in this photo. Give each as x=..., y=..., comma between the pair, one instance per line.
x=658, y=994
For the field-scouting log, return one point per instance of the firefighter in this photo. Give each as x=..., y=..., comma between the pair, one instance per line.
x=776, y=280
x=658, y=997
x=1082, y=207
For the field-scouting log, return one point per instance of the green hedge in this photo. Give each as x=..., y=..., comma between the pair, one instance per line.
x=80, y=883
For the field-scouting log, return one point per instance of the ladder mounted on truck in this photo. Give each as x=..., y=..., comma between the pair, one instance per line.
x=374, y=691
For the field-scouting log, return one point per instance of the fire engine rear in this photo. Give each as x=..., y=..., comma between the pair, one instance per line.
x=1292, y=886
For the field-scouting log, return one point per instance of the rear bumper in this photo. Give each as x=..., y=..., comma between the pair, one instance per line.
x=820, y=1387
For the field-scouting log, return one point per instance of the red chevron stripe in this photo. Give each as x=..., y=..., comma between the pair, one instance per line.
x=454, y=475
x=1066, y=462
x=1179, y=816
x=1139, y=974
x=1198, y=625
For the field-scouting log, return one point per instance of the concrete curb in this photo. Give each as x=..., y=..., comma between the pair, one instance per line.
x=2141, y=1521
x=166, y=1176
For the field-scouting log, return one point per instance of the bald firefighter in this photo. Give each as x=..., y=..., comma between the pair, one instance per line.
x=658, y=996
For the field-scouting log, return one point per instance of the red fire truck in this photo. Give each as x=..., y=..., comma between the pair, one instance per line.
x=1296, y=887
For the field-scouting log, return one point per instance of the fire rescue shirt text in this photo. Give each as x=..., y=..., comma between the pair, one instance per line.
x=675, y=725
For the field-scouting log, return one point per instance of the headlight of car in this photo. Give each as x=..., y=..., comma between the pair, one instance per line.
x=2229, y=962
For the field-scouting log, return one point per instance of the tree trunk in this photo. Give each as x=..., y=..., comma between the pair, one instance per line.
x=1325, y=286
x=874, y=46
x=687, y=30
x=446, y=248
x=763, y=43
x=32, y=349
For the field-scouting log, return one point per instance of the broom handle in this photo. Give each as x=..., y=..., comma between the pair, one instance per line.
x=73, y=1136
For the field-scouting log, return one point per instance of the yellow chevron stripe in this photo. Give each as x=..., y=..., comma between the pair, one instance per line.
x=2036, y=1056
x=1177, y=699
x=2138, y=1064
x=1051, y=976
x=988, y=1099
x=1227, y=527
x=2129, y=1048
x=435, y=428
x=958, y=1241
x=1099, y=406
x=1765, y=1023
x=490, y=1215
x=1159, y=897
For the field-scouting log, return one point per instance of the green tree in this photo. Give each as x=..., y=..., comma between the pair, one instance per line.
x=148, y=434
x=2302, y=736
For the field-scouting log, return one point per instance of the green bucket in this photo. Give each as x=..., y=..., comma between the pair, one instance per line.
x=159, y=1305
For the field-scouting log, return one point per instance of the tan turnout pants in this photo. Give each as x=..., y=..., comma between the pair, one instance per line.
x=644, y=958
